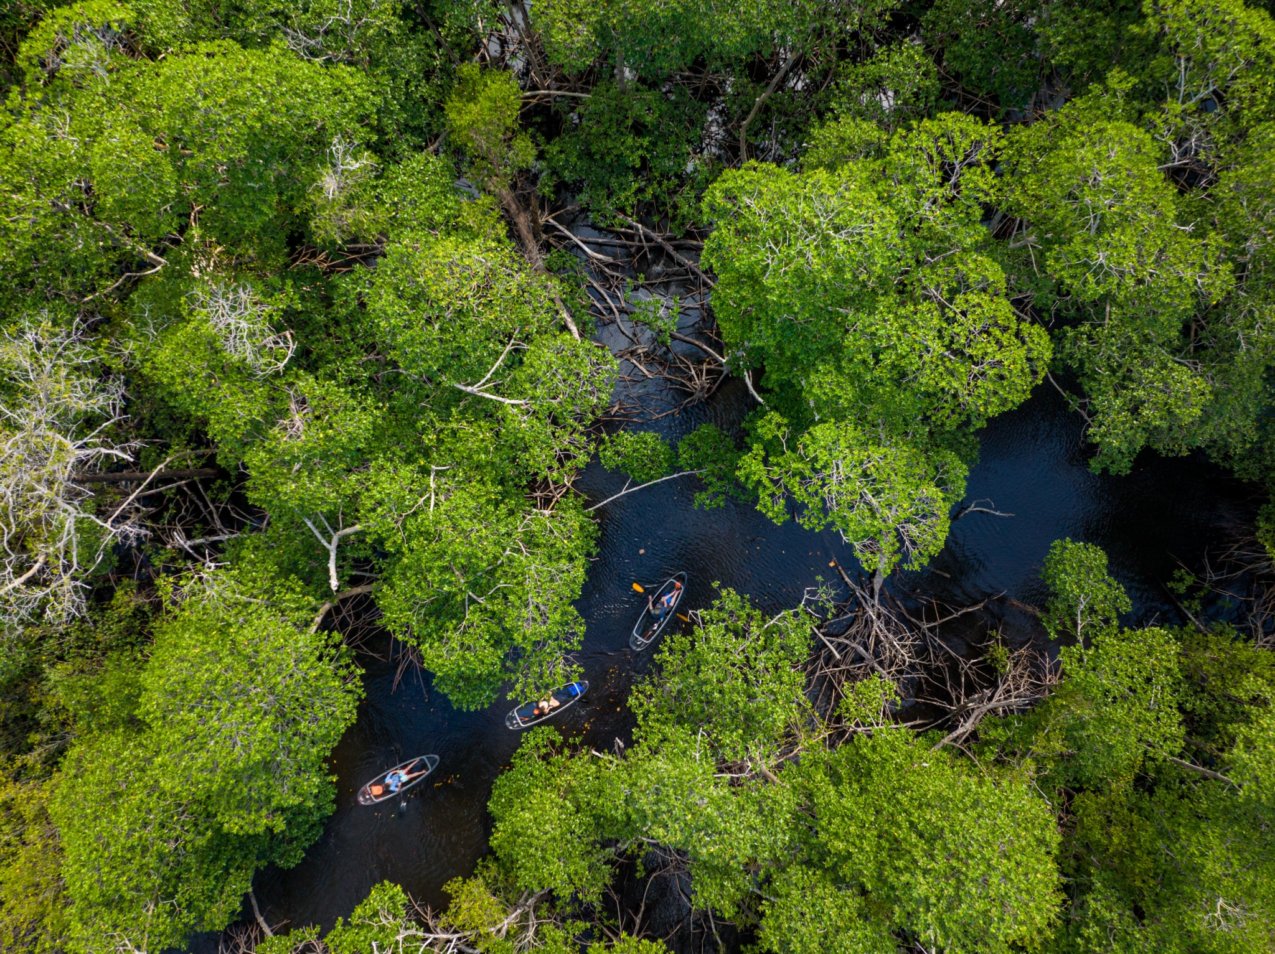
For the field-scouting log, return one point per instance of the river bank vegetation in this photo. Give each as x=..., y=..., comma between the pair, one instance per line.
x=298, y=341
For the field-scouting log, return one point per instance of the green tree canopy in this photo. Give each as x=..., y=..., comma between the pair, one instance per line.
x=735, y=678
x=962, y=860
x=1083, y=598
x=215, y=145
x=889, y=500
x=868, y=293
x=163, y=826
x=658, y=39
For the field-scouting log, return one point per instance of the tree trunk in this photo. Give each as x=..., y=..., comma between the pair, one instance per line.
x=527, y=225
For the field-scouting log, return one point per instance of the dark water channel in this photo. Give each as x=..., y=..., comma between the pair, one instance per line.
x=1032, y=465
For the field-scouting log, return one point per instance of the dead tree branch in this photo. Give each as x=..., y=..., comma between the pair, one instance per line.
x=630, y=490
x=673, y=253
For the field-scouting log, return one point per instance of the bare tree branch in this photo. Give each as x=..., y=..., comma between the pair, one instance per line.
x=53, y=433
x=490, y=397
x=650, y=483
x=1201, y=770
x=663, y=243
x=330, y=544
x=132, y=476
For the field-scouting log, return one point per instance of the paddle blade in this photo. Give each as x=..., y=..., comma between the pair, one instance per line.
x=684, y=619
x=637, y=588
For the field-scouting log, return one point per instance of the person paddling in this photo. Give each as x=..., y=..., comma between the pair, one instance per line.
x=397, y=780
x=394, y=781
x=667, y=601
x=659, y=611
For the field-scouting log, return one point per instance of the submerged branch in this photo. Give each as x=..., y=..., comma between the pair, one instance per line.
x=976, y=507
x=663, y=243
x=687, y=339
x=256, y=913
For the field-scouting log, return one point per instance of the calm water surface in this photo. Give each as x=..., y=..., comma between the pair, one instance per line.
x=1032, y=465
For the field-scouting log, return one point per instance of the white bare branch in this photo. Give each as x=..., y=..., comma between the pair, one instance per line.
x=977, y=506
x=499, y=361
x=748, y=382
x=491, y=397
x=54, y=427
x=630, y=489
x=330, y=543
x=241, y=321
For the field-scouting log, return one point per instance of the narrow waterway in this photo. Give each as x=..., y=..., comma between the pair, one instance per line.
x=1032, y=465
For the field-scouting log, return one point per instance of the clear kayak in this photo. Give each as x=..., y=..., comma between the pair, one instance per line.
x=530, y=713
x=410, y=773
x=650, y=625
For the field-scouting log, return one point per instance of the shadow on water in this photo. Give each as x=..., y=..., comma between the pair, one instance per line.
x=1033, y=463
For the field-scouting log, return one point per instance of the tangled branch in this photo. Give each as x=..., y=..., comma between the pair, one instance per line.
x=54, y=432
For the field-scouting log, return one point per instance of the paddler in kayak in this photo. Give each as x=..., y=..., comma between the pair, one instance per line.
x=394, y=781
x=667, y=602
x=545, y=706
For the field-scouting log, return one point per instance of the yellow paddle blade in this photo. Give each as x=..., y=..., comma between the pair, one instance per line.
x=684, y=619
x=637, y=588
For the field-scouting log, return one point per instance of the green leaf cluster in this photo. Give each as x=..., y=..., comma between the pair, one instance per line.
x=482, y=116
x=735, y=675
x=889, y=500
x=1083, y=598
x=642, y=455
x=656, y=39
x=630, y=148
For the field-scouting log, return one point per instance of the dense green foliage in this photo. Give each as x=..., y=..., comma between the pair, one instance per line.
x=1083, y=598
x=896, y=837
x=220, y=769
x=1147, y=745
x=292, y=324
x=171, y=237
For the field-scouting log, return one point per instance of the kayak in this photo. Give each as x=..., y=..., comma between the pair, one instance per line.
x=648, y=626
x=412, y=771
x=529, y=713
